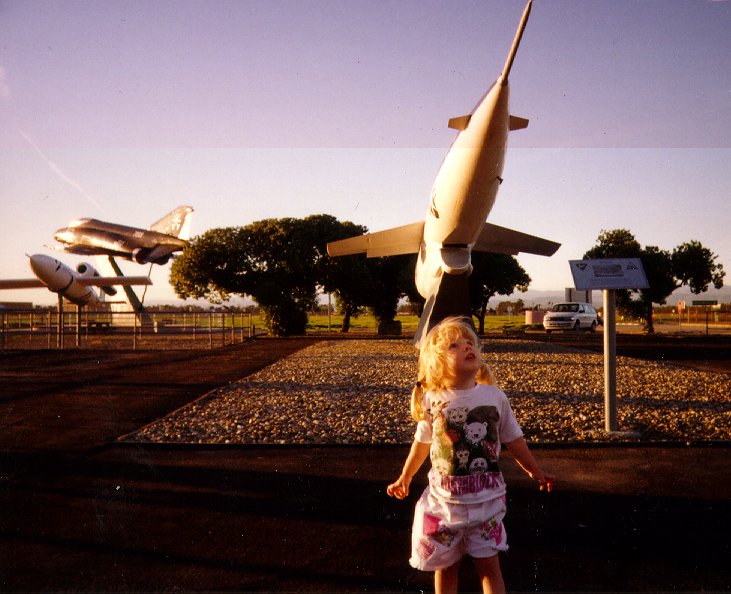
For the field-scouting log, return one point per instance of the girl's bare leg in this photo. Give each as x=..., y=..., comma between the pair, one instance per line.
x=445, y=580
x=491, y=577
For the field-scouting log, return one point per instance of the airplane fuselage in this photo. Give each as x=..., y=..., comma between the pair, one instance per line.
x=63, y=280
x=464, y=190
x=74, y=285
x=94, y=237
x=462, y=197
x=466, y=186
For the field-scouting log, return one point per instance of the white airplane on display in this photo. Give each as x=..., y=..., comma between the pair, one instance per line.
x=462, y=197
x=74, y=285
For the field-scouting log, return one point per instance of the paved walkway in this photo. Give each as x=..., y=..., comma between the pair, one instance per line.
x=82, y=513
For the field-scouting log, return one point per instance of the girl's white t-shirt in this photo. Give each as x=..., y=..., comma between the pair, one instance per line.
x=465, y=429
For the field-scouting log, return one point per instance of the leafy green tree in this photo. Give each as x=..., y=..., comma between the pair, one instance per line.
x=659, y=272
x=509, y=307
x=387, y=286
x=204, y=269
x=347, y=277
x=619, y=243
x=281, y=263
x=493, y=274
x=274, y=261
x=689, y=264
x=696, y=266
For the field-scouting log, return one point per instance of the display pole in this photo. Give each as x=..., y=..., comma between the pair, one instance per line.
x=610, y=361
x=59, y=338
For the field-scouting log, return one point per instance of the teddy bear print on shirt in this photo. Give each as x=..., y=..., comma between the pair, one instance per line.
x=475, y=432
x=464, y=440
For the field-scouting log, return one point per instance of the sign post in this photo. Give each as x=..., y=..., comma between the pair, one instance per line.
x=610, y=360
x=708, y=309
x=608, y=275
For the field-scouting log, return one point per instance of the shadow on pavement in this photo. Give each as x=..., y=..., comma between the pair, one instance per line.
x=287, y=519
x=83, y=513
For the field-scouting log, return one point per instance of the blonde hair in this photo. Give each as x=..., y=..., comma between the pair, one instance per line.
x=434, y=371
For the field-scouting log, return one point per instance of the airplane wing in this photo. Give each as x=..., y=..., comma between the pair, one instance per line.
x=96, y=281
x=391, y=242
x=21, y=283
x=109, y=281
x=501, y=240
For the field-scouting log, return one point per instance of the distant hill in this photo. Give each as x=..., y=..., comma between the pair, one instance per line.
x=542, y=299
x=531, y=298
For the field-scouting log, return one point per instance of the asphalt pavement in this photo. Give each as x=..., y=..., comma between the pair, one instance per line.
x=83, y=513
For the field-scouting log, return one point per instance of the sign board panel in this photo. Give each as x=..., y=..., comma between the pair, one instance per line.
x=608, y=273
x=713, y=302
x=571, y=294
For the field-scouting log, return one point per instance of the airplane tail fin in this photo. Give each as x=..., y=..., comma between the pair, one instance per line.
x=175, y=223
x=391, y=242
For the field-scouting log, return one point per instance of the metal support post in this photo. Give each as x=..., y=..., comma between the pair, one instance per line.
x=610, y=360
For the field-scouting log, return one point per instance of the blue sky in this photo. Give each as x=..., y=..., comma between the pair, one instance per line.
x=254, y=109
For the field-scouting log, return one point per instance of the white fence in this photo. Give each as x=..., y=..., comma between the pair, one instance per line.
x=151, y=330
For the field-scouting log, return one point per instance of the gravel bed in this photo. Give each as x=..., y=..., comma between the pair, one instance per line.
x=357, y=392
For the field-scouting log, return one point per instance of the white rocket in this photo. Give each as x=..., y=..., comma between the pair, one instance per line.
x=74, y=285
x=462, y=197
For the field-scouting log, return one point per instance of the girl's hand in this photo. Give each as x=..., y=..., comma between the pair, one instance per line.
x=399, y=489
x=545, y=481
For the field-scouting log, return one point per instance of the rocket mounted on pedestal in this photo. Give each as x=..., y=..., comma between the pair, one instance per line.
x=462, y=197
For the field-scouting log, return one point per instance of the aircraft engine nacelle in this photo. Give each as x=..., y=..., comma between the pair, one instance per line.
x=140, y=255
x=86, y=270
x=157, y=255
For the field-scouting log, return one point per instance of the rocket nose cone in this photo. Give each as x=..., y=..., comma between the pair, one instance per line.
x=42, y=265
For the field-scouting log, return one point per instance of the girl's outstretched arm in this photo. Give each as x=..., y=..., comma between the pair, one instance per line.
x=524, y=457
x=419, y=452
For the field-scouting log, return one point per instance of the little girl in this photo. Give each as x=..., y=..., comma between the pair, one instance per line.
x=463, y=419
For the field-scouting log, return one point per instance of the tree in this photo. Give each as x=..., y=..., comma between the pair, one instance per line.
x=274, y=261
x=696, y=266
x=659, y=272
x=509, y=307
x=407, y=281
x=204, y=269
x=493, y=274
x=347, y=277
x=690, y=264
x=387, y=286
x=281, y=263
x=619, y=243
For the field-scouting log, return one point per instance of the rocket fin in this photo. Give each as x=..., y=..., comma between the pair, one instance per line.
x=517, y=123
x=460, y=123
x=391, y=242
x=501, y=240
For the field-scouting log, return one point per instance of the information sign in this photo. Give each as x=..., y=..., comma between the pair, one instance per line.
x=714, y=302
x=608, y=273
